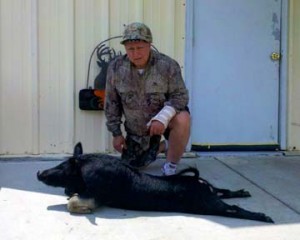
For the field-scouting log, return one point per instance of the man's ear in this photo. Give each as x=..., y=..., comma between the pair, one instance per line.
x=77, y=150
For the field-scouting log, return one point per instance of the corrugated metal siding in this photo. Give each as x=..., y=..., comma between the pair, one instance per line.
x=44, y=51
x=55, y=74
x=18, y=110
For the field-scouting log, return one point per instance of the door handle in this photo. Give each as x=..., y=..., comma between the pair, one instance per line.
x=275, y=56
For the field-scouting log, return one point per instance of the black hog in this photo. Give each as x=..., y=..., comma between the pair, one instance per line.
x=93, y=180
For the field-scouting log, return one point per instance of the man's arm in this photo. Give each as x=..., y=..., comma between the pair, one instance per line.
x=178, y=94
x=113, y=105
x=176, y=102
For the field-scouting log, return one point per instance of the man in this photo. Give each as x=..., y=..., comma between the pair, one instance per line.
x=147, y=88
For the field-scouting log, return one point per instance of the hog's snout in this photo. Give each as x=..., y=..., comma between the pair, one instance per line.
x=40, y=176
x=51, y=178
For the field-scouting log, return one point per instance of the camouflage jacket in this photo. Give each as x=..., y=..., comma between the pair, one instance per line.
x=139, y=97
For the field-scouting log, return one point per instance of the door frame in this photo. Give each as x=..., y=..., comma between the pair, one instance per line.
x=283, y=68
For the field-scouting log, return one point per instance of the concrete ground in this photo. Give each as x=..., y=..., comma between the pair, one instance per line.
x=31, y=210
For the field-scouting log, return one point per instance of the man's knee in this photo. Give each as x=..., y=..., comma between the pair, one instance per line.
x=181, y=120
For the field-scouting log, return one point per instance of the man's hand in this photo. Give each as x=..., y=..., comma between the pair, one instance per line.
x=156, y=128
x=119, y=143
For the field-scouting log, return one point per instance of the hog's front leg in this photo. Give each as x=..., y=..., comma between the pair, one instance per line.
x=81, y=205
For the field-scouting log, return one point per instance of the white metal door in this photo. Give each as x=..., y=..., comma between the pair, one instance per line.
x=234, y=81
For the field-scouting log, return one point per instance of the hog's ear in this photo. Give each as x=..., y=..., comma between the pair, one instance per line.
x=73, y=161
x=77, y=150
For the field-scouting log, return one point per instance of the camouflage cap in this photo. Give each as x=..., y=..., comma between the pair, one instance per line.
x=137, y=31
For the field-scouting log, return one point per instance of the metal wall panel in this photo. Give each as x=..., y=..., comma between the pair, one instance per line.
x=17, y=78
x=294, y=77
x=92, y=26
x=56, y=75
x=44, y=51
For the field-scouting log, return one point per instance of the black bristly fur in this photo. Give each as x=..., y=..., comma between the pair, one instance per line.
x=113, y=183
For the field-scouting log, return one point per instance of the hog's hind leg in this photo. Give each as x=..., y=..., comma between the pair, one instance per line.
x=226, y=193
x=237, y=212
x=215, y=206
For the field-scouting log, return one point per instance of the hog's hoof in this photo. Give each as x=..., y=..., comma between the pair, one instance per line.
x=80, y=205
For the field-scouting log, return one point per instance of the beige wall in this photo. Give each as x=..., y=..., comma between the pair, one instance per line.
x=294, y=77
x=44, y=50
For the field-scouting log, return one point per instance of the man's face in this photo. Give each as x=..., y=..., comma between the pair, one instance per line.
x=138, y=52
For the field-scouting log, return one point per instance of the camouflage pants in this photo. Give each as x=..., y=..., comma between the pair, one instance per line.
x=136, y=156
